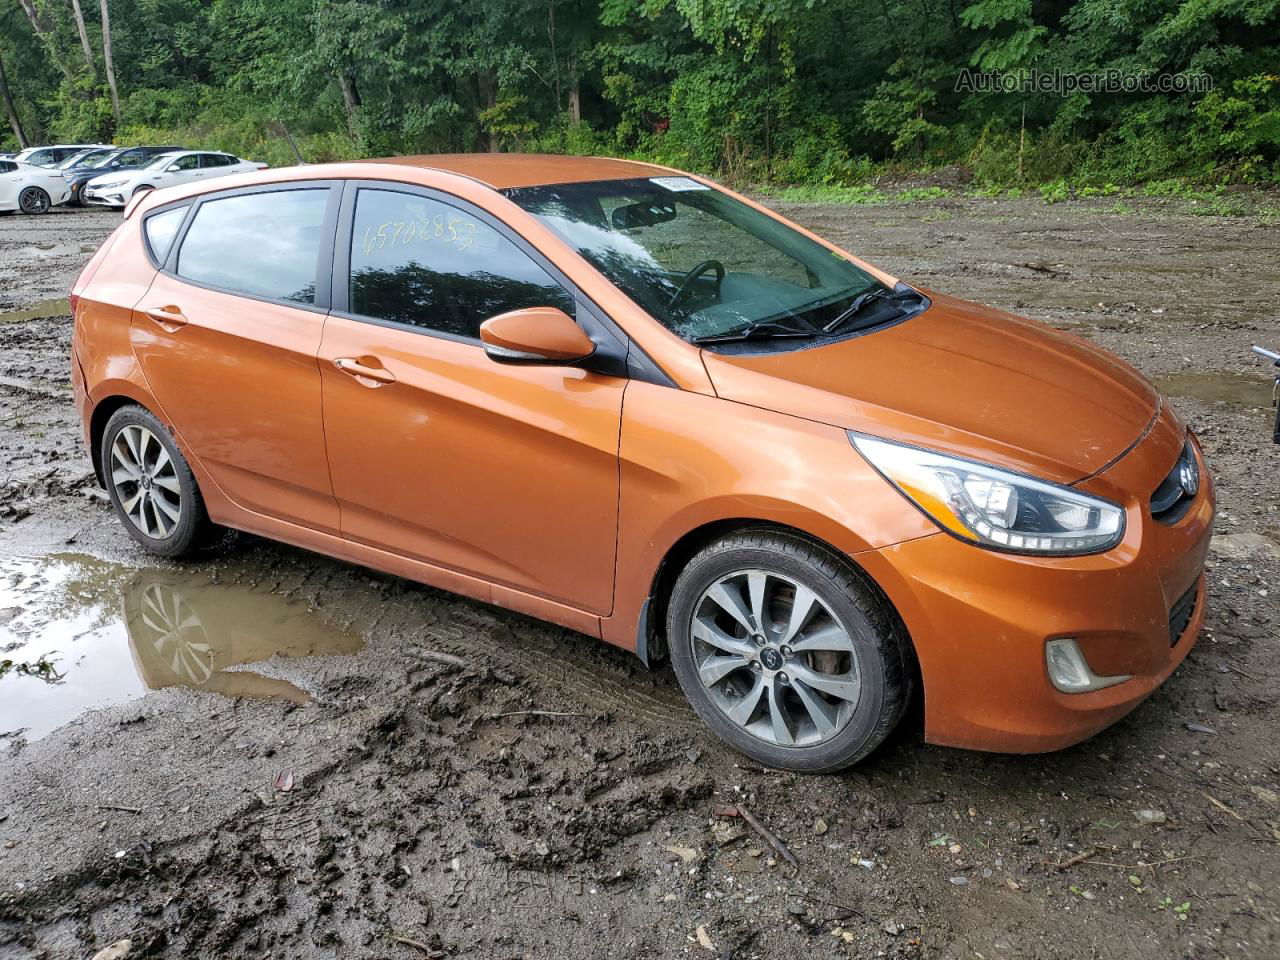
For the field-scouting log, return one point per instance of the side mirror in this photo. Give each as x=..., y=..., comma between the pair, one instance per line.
x=543, y=335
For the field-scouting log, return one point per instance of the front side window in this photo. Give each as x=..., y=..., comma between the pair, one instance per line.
x=419, y=261
x=700, y=262
x=262, y=244
x=189, y=162
x=161, y=228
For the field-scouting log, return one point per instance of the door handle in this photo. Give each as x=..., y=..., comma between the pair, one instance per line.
x=170, y=318
x=354, y=368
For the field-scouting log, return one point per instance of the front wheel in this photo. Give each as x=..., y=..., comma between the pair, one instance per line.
x=787, y=652
x=33, y=200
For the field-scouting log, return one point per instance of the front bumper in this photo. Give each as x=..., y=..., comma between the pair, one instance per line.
x=980, y=619
x=113, y=197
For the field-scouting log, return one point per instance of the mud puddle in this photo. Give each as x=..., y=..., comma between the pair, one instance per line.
x=46, y=308
x=62, y=249
x=81, y=633
x=1230, y=389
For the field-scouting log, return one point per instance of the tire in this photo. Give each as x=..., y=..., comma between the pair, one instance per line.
x=837, y=700
x=141, y=190
x=155, y=495
x=34, y=201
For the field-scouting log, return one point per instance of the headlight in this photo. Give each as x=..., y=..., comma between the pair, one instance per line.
x=993, y=507
x=109, y=184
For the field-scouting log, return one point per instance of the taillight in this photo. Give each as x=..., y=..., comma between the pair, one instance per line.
x=74, y=300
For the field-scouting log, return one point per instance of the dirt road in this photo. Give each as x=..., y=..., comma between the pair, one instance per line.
x=401, y=773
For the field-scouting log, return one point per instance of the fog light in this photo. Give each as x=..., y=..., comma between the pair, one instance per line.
x=1069, y=671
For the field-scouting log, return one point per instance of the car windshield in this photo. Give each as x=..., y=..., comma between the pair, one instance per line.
x=699, y=261
x=85, y=158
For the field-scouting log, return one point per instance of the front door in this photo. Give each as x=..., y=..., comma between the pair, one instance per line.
x=182, y=170
x=506, y=473
x=11, y=182
x=227, y=337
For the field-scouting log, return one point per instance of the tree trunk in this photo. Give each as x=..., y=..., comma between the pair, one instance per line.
x=1022, y=139
x=106, y=58
x=491, y=100
x=84, y=38
x=575, y=102
x=350, y=99
x=37, y=21
x=11, y=110
x=41, y=28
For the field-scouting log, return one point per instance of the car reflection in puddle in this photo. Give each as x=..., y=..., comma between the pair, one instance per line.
x=80, y=633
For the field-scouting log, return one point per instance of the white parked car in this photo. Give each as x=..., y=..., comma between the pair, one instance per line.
x=53, y=155
x=31, y=189
x=116, y=189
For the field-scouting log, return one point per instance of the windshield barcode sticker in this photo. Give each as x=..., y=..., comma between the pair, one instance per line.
x=678, y=183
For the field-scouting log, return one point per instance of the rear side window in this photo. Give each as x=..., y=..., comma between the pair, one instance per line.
x=419, y=261
x=261, y=244
x=161, y=228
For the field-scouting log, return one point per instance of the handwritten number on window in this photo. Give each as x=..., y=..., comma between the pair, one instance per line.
x=456, y=231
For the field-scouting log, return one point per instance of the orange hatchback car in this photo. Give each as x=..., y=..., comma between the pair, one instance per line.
x=626, y=400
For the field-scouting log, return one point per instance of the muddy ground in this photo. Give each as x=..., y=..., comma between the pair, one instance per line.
x=375, y=790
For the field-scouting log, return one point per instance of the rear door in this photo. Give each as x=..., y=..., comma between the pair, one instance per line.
x=505, y=473
x=216, y=164
x=227, y=337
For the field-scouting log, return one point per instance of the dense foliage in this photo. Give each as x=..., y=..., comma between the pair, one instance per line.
x=799, y=91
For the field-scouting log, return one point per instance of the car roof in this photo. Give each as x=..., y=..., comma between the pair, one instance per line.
x=506, y=170
x=187, y=153
x=492, y=171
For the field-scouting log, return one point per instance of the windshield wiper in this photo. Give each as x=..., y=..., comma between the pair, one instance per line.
x=860, y=302
x=761, y=330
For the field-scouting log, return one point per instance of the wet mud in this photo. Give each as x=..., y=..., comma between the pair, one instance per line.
x=262, y=752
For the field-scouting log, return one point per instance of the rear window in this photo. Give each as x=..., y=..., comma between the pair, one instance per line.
x=160, y=229
x=261, y=244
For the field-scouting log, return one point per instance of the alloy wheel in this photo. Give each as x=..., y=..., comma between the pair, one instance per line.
x=146, y=482
x=34, y=200
x=775, y=659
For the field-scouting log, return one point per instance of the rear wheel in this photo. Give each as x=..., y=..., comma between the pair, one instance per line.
x=152, y=488
x=787, y=651
x=33, y=200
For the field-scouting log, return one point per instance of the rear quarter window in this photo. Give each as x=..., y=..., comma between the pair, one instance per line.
x=160, y=229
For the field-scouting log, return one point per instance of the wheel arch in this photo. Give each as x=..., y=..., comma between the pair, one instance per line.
x=102, y=412
x=651, y=632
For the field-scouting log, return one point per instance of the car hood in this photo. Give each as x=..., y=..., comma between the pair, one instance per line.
x=963, y=378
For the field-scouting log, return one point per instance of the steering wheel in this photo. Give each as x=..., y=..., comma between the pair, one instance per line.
x=686, y=282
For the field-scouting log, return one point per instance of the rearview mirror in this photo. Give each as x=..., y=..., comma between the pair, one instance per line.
x=644, y=214
x=535, y=335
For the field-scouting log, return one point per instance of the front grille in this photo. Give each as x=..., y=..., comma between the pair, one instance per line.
x=1177, y=491
x=1182, y=613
